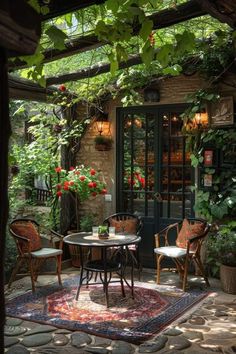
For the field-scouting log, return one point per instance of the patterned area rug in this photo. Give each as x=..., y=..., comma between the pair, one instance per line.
x=132, y=320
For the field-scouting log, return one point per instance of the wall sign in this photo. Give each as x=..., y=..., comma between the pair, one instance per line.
x=222, y=112
x=208, y=157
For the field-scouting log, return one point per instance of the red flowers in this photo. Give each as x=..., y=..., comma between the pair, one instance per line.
x=58, y=169
x=104, y=191
x=151, y=39
x=80, y=181
x=62, y=88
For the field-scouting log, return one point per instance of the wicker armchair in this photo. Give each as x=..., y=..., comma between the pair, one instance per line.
x=26, y=234
x=190, y=235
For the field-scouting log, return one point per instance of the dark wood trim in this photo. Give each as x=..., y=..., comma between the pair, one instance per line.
x=223, y=10
x=23, y=89
x=5, y=131
x=20, y=28
x=92, y=71
x=62, y=7
x=81, y=44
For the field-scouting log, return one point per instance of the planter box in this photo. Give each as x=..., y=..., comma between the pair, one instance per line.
x=228, y=279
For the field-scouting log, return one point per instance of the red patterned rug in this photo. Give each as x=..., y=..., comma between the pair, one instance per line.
x=132, y=320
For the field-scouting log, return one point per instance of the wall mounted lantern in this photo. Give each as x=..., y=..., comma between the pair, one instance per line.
x=103, y=125
x=198, y=122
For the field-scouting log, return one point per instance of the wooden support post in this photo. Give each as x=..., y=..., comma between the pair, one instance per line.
x=5, y=131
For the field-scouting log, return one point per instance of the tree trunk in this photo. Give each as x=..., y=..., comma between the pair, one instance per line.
x=5, y=131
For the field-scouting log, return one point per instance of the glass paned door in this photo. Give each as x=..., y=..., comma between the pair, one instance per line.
x=154, y=175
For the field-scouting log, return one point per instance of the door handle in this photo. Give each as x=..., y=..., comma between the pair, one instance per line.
x=158, y=197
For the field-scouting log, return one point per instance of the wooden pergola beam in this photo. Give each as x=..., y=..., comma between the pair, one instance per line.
x=62, y=7
x=23, y=89
x=160, y=20
x=20, y=28
x=92, y=71
x=223, y=10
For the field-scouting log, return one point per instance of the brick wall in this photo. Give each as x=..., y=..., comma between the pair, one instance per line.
x=100, y=160
x=172, y=91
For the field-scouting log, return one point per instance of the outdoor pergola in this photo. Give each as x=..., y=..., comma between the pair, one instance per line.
x=20, y=34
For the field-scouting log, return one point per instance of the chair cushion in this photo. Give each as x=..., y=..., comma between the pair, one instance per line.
x=187, y=231
x=28, y=230
x=171, y=251
x=46, y=252
x=128, y=226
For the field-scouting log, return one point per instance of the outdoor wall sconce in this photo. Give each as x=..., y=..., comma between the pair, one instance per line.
x=103, y=125
x=199, y=122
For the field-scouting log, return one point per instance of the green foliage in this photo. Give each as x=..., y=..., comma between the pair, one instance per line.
x=87, y=222
x=103, y=140
x=221, y=247
x=57, y=36
x=102, y=229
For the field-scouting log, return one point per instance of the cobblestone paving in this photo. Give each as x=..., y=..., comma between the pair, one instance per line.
x=209, y=329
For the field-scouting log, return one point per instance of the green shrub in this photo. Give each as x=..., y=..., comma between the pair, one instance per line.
x=221, y=247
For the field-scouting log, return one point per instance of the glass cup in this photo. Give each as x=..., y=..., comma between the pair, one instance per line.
x=95, y=230
x=112, y=231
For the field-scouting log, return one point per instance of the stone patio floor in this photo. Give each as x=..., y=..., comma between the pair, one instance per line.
x=211, y=328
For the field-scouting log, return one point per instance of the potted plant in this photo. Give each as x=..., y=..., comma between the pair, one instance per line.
x=221, y=249
x=102, y=232
x=103, y=143
x=81, y=183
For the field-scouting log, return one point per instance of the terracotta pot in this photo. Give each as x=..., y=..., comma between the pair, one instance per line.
x=228, y=278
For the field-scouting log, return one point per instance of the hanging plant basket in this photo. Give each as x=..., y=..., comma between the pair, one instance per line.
x=102, y=147
x=103, y=143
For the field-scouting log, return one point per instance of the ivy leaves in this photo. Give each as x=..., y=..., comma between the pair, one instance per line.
x=57, y=36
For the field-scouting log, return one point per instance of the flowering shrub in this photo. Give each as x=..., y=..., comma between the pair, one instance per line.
x=84, y=182
x=138, y=180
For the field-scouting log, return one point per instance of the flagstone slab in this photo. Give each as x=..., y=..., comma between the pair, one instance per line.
x=62, y=331
x=79, y=339
x=193, y=327
x=120, y=347
x=178, y=343
x=97, y=350
x=9, y=341
x=197, y=320
x=60, y=339
x=40, y=329
x=104, y=342
x=173, y=332
x=193, y=335
x=36, y=340
x=18, y=349
x=153, y=346
x=14, y=330
x=11, y=321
